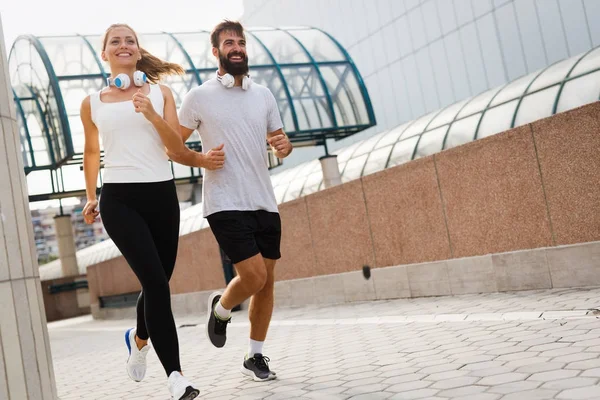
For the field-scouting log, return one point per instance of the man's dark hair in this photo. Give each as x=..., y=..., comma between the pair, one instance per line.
x=226, y=26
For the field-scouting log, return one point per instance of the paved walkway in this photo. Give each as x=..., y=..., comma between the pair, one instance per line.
x=525, y=345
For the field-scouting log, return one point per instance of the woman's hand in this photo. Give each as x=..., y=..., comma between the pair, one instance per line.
x=90, y=212
x=143, y=104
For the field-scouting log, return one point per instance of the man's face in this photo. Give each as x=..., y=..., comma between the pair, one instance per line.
x=232, y=53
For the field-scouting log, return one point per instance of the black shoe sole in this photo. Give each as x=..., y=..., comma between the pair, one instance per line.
x=249, y=373
x=190, y=393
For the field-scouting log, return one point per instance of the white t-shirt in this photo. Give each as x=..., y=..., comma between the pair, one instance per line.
x=240, y=119
x=133, y=149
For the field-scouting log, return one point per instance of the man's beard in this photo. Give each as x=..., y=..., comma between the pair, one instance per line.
x=238, y=68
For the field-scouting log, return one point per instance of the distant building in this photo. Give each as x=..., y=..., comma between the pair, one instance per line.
x=45, y=233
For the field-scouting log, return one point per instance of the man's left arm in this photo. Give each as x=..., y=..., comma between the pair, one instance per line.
x=280, y=143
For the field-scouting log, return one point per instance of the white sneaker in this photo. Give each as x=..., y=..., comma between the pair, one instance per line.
x=180, y=388
x=136, y=363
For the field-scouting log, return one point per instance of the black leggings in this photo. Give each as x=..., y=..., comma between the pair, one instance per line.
x=142, y=219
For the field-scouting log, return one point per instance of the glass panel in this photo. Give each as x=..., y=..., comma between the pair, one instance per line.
x=514, y=90
x=377, y=160
x=73, y=92
x=309, y=98
x=164, y=47
x=349, y=105
x=462, y=131
x=579, y=91
x=39, y=182
x=552, y=29
x=70, y=56
x=490, y=49
x=431, y=142
x=270, y=78
x=536, y=106
x=419, y=126
x=295, y=187
x=403, y=151
x=497, y=119
x=280, y=192
x=589, y=62
x=313, y=181
x=319, y=45
x=344, y=154
x=72, y=177
x=475, y=67
x=32, y=85
x=478, y=103
x=282, y=46
x=366, y=145
x=446, y=116
x=198, y=47
x=354, y=168
x=392, y=136
x=555, y=73
x=510, y=41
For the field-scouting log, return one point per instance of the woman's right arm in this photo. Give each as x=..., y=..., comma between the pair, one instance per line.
x=91, y=160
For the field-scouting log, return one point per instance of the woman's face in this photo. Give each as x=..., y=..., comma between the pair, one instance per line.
x=121, y=48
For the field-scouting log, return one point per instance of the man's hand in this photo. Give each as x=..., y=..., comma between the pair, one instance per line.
x=143, y=104
x=214, y=159
x=281, y=145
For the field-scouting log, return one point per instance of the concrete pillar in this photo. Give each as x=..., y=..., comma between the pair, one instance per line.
x=331, y=171
x=66, y=245
x=26, y=370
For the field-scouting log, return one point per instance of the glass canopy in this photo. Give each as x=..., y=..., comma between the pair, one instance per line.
x=319, y=91
x=562, y=86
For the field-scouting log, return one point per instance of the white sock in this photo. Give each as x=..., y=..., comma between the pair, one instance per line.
x=254, y=347
x=221, y=311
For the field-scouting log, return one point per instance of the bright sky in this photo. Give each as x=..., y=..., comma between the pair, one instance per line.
x=67, y=17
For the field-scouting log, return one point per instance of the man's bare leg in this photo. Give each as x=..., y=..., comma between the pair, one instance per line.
x=261, y=305
x=251, y=278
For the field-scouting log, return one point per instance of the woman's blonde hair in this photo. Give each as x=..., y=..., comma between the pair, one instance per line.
x=152, y=66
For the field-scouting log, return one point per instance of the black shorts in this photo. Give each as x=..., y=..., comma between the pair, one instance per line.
x=244, y=234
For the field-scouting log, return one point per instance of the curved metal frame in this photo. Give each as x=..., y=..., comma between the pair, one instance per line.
x=320, y=75
x=89, y=46
x=567, y=79
x=280, y=73
x=22, y=114
x=359, y=79
x=187, y=57
x=46, y=128
x=53, y=80
x=525, y=93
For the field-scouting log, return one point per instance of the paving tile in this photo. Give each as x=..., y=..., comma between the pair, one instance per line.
x=368, y=350
x=569, y=383
x=589, y=392
x=502, y=378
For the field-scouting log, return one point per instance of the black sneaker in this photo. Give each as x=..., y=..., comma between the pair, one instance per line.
x=216, y=328
x=257, y=368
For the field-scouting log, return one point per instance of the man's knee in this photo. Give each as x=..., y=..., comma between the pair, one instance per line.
x=253, y=274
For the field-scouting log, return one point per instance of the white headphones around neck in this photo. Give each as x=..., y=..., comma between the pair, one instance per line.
x=228, y=81
x=123, y=82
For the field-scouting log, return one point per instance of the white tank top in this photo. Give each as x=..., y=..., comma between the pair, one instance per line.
x=133, y=150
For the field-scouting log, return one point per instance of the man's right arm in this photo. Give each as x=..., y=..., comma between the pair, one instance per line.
x=213, y=159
